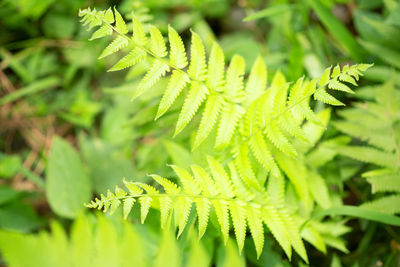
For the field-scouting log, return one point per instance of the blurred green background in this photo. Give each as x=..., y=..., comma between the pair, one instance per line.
x=68, y=129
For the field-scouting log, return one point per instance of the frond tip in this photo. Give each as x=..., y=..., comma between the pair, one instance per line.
x=216, y=191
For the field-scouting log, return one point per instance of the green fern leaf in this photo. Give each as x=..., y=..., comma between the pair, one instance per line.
x=145, y=204
x=189, y=184
x=295, y=238
x=209, y=118
x=288, y=124
x=109, y=16
x=203, y=210
x=234, y=79
x=165, y=209
x=120, y=25
x=128, y=204
x=238, y=186
x=256, y=228
x=178, y=53
x=166, y=202
x=221, y=210
x=114, y=205
x=133, y=188
x=335, y=71
x=103, y=31
x=197, y=67
x=385, y=183
x=275, y=135
x=257, y=81
x=368, y=154
x=258, y=119
x=169, y=187
x=388, y=204
x=116, y=45
x=205, y=192
x=183, y=213
x=300, y=108
x=137, y=55
x=246, y=172
x=238, y=213
x=345, y=77
x=314, y=238
x=207, y=184
x=230, y=117
x=297, y=173
x=91, y=18
x=261, y=152
x=278, y=228
x=158, y=69
x=216, y=68
x=157, y=43
x=176, y=84
x=379, y=138
x=197, y=94
x=221, y=177
x=138, y=33
x=337, y=85
x=323, y=96
x=325, y=77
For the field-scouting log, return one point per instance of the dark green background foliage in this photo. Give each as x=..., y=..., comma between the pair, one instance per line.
x=68, y=133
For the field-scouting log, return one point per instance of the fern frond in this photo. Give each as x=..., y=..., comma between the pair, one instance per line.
x=251, y=119
x=178, y=53
x=230, y=104
x=197, y=67
x=323, y=96
x=257, y=81
x=238, y=213
x=355, y=127
x=369, y=155
x=175, y=86
x=116, y=45
x=216, y=68
x=262, y=153
x=197, y=94
x=209, y=118
x=137, y=55
x=385, y=183
x=231, y=114
x=103, y=31
x=139, y=34
x=376, y=123
x=388, y=204
x=120, y=24
x=158, y=69
x=219, y=191
x=157, y=43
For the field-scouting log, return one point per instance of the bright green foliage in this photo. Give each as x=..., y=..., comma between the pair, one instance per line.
x=67, y=184
x=219, y=191
x=259, y=126
x=98, y=242
x=245, y=202
x=377, y=122
x=231, y=103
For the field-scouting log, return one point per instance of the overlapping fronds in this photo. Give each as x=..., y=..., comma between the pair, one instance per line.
x=246, y=113
x=253, y=122
x=377, y=123
x=244, y=202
